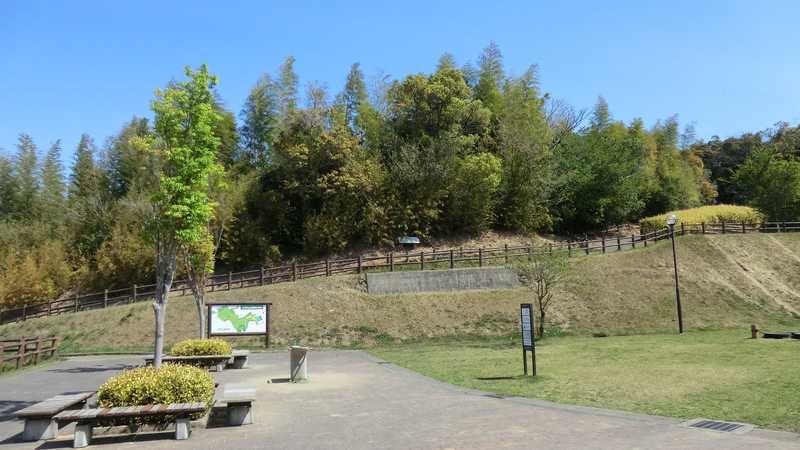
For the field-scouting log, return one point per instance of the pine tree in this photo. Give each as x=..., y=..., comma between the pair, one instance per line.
x=601, y=117
x=446, y=61
x=260, y=119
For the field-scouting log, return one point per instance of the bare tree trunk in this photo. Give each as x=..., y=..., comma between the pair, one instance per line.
x=201, y=313
x=541, y=323
x=165, y=272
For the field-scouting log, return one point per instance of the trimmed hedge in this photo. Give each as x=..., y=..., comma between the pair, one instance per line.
x=201, y=347
x=171, y=383
x=704, y=214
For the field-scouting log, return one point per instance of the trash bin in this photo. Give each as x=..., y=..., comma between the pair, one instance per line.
x=298, y=363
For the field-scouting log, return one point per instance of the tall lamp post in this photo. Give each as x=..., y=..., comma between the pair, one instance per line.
x=671, y=222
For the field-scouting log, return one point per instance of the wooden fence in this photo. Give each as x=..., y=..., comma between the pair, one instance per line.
x=28, y=350
x=422, y=260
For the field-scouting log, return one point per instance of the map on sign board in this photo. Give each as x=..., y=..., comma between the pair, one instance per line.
x=238, y=319
x=527, y=327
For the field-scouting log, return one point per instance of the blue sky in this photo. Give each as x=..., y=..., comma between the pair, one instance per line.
x=88, y=66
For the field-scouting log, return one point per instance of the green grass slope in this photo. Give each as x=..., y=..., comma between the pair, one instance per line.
x=726, y=281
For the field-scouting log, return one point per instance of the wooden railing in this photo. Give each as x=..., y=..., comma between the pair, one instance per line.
x=26, y=350
x=421, y=260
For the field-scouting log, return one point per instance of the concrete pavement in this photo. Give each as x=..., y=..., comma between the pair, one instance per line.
x=355, y=401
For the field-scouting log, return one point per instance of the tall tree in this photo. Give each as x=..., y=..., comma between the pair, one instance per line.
x=8, y=187
x=354, y=95
x=25, y=177
x=129, y=169
x=260, y=116
x=287, y=87
x=185, y=117
x=52, y=193
x=84, y=181
x=490, y=76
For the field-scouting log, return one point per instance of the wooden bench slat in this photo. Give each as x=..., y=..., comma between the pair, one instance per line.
x=54, y=405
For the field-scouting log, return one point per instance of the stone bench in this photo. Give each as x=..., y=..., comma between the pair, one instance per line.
x=238, y=360
x=39, y=423
x=88, y=418
x=204, y=361
x=238, y=401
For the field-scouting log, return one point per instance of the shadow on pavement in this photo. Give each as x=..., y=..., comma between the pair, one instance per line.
x=8, y=407
x=114, y=368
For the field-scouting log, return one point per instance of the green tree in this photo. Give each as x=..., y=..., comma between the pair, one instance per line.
x=523, y=144
x=490, y=77
x=85, y=179
x=25, y=178
x=354, y=96
x=287, y=87
x=260, y=118
x=53, y=188
x=772, y=184
x=185, y=143
x=127, y=168
x=8, y=187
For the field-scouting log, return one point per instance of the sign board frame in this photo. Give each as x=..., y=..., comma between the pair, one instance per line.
x=267, y=306
x=527, y=326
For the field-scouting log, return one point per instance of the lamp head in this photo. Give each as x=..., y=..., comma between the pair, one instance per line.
x=671, y=220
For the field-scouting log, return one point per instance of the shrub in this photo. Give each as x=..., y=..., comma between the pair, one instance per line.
x=171, y=383
x=704, y=214
x=201, y=347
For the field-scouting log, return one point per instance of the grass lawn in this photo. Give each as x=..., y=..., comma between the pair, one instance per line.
x=712, y=374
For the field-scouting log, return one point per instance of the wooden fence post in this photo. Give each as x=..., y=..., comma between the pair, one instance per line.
x=359, y=263
x=24, y=312
x=683, y=229
x=619, y=243
x=723, y=227
x=569, y=249
x=645, y=238
x=38, y=349
x=21, y=352
x=105, y=298
x=452, y=262
x=421, y=260
x=703, y=227
x=230, y=278
x=294, y=270
x=327, y=267
x=633, y=241
x=530, y=257
x=550, y=249
x=603, y=243
x=391, y=261
x=480, y=257
x=134, y=293
x=76, y=302
x=261, y=276
x=744, y=229
x=586, y=242
x=505, y=248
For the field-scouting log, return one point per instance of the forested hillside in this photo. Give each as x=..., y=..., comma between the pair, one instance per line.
x=461, y=150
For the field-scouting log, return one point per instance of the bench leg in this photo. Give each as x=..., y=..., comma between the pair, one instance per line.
x=220, y=367
x=38, y=429
x=182, y=428
x=83, y=435
x=239, y=414
x=239, y=363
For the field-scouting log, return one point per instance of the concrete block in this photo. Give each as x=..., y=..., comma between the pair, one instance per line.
x=38, y=429
x=83, y=436
x=298, y=363
x=239, y=413
x=183, y=428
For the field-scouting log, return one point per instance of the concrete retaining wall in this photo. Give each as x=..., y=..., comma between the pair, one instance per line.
x=441, y=280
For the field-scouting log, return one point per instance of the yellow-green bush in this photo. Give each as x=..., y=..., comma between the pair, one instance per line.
x=171, y=383
x=704, y=214
x=201, y=347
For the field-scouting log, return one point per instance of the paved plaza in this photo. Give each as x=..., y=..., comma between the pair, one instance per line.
x=355, y=401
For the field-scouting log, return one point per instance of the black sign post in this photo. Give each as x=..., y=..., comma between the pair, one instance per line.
x=528, y=341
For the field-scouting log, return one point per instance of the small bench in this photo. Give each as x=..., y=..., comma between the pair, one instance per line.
x=88, y=418
x=238, y=360
x=39, y=423
x=238, y=401
x=204, y=361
